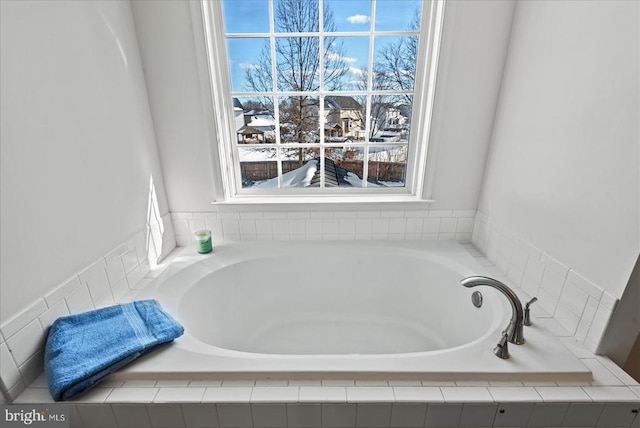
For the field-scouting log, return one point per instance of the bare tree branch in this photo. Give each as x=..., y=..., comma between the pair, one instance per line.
x=298, y=64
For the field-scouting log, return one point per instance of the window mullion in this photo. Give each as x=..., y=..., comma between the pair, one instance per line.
x=321, y=116
x=315, y=34
x=274, y=83
x=369, y=99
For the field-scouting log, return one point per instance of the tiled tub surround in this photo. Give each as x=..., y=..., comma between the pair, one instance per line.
x=611, y=399
x=580, y=306
x=352, y=404
x=108, y=280
x=233, y=225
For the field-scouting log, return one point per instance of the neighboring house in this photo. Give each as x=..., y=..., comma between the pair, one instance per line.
x=395, y=126
x=238, y=113
x=344, y=120
x=259, y=127
x=396, y=119
x=343, y=117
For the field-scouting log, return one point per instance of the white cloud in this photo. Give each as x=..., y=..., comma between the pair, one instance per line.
x=248, y=65
x=356, y=71
x=359, y=19
x=333, y=56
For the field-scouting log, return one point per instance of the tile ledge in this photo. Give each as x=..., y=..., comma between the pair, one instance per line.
x=36, y=393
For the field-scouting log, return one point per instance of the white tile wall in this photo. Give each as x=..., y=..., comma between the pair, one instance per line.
x=338, y=415
x=327, y=225
x=200, y=415
x=235, y=415
x=323, y=394
x=304, y=415
x=95, y=415
x=100, y=284
x=269, y=415
x=166, y=416
x=618, y=415
x=370, y=415
x=347, y=415
x=580, y=306
x=408, y=415
x=582, y=414
x=443, y=415
x=477, y=415
x=373, y=394
x=513, y=415
x=131, y=415
x=299, y=404
x=548, y=414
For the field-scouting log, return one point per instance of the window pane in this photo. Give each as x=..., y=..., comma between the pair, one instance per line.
x=390, y=118
x=298, y=63
x=380, y=104
x=344, y=166
x=346, y=58
x=246, y=16
x=398, y=15
x=254, y=120
x=395, y=63
x=300, y=167
x=398, y=119
x=387, y=166
x=250, y=65
x=296, y=16
x=344, y=119
x=347, y=15
x=299, y=119
x=363, y=98
x=258, y=166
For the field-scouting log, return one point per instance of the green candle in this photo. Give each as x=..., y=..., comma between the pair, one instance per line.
x=203, y=239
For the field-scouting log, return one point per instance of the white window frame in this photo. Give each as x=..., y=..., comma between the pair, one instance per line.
x=211, y=20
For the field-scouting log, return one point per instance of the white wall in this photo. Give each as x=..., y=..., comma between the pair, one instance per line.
x=563, y=172
x=624, y=328
x=474, y=46
x=77, y=143
x=166, y=40
x=473, y=51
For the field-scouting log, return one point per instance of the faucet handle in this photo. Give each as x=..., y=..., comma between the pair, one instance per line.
x=502, y=348
x=527, y=315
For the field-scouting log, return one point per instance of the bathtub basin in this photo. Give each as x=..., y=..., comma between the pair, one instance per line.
x=386, y=310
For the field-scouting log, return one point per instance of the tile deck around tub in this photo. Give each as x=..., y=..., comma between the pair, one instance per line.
x=612, y=394
x=611, y=399
x=298, y=403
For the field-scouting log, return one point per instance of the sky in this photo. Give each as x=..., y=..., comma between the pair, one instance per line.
x=251, y=16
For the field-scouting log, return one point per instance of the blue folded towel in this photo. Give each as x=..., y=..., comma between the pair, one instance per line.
x=82, y=349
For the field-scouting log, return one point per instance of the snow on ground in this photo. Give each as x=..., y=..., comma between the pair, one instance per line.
x=356, y=181
x=376, y=154
x=257, y=154
x=299, y=177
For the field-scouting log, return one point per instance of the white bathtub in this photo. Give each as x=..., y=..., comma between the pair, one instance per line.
x=386, y=310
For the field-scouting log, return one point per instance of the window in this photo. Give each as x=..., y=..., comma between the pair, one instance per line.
x=323, y=97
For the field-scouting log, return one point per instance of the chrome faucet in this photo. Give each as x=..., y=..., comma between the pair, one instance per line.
x=513, y=331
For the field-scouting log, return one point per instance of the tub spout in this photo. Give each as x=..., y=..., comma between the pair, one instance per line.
x=514, y=329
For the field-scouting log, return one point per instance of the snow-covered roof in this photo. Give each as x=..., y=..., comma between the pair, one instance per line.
x=343, y=102
x=308, y=175
x=257, y=121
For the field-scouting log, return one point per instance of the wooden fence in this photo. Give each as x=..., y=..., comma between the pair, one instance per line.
x=379, y=171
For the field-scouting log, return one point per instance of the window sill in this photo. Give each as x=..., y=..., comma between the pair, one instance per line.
x=298, y=202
